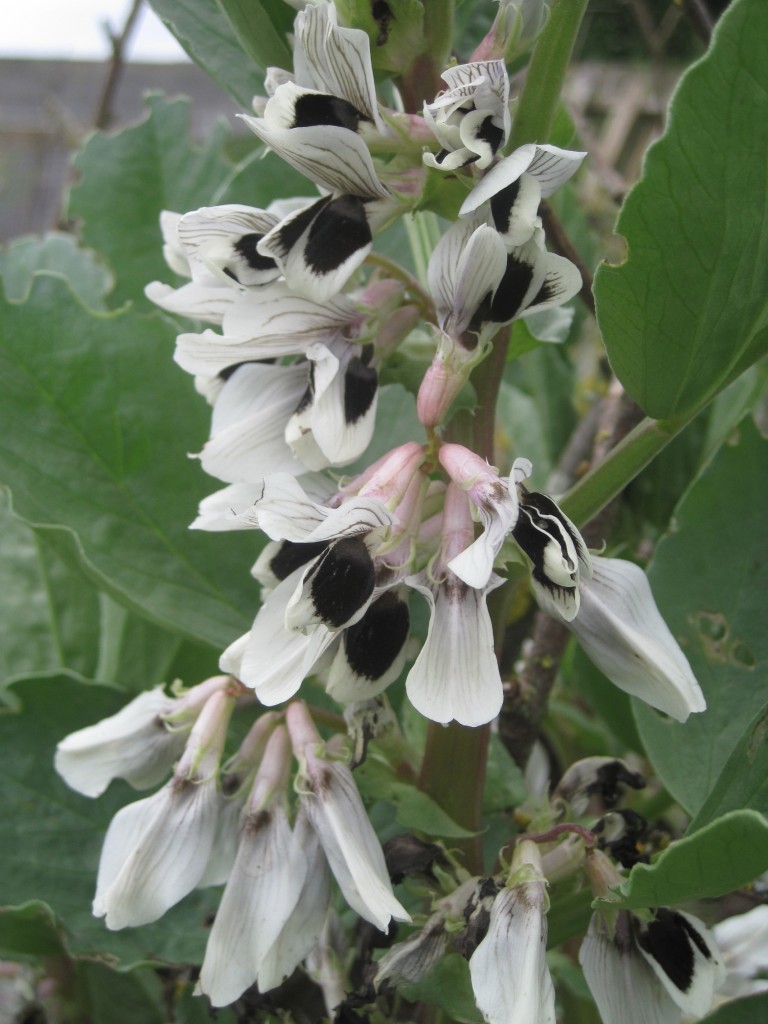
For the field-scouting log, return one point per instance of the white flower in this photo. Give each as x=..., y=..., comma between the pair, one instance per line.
x=157, y=850
x=456, y=675
x=622, y=984
x=620, y=628
x=516, y=185
x=743, y=944
x=334, y=423
x=266, y=324
x=263, y=886
x=646, y=973
x=509, y=972
x=497, y=505
x=138, y=744
x=302, y=928
x=557, y=552
x=333, y=807
x=248, y=425
x=470, y=119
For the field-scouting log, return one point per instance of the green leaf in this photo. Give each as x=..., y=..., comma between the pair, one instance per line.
x=753, y=1010
x=261, y=30
x=57, y=253
x=413, y=809
x=50, y=614
x=687, y=312
x=127, y=178
x=719, y=858
x=449, y=986
x=30, y=930
x=95, y=435
x=107, y=996
x=709, y=577
x=206, y=35
x=53, y=836
x=743, y=781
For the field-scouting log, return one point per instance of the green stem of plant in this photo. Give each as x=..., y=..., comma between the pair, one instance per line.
x=620, y=467
x=454, y=765
x=538, y=101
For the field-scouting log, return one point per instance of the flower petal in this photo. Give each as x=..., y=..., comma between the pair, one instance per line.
x=684, y=956
x=456, y=675
x=621, y=630
x=509, y=972
x=338, y=817
x=260, y=897
x=133, y=744
x=622, y=984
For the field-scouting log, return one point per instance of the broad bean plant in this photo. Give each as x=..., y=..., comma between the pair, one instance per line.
x=383, y=610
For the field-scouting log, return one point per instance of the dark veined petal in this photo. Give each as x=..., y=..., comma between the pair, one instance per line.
x=319, y=247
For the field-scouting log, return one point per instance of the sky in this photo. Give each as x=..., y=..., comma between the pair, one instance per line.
x=74, y=29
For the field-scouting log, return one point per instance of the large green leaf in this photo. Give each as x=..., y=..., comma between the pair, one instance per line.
x=59, y=254
x=96, y=427
x=262, y=30
x=50, y=614
x=753, y=1010
x=128, y=177
x=710, y=577
x=204, y=32
x=721, y=857
x=52, y=836
x=743, y=781
x=688, y=309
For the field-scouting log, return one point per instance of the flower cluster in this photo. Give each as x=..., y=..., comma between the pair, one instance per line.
x=303, y=319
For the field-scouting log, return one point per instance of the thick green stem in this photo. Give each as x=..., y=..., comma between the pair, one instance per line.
x=538, y=101
x=454, y=766
x=620, y=467
x=453, y=773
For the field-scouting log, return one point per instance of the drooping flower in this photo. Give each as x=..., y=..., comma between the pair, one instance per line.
x=263, y=886
x=509, y=972
x=649, y=968
x=138, y=744
x=622, y=631
x=157, y=850
x=333, y=807
x=456, y=674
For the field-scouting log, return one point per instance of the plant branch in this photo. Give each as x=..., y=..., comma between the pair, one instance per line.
x=104, y=113
x=539, y=99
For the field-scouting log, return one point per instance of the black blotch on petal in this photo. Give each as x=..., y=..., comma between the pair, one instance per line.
x=668, y=940
x=360, y=385
x=338, y=232
x=292, y=555
x=291, y=231
x=546, y=292
x=610, y=780
x=490, y=133
x=508, y=298
x=246, y=247
x=620, y=834
x=502, y=204
x=320, y=109
x=372, y=644
x=341, y=581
